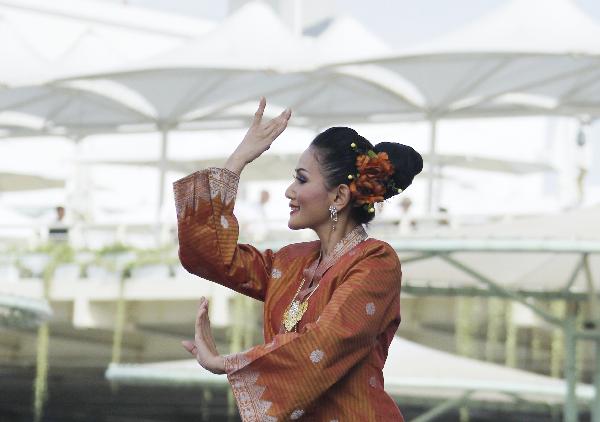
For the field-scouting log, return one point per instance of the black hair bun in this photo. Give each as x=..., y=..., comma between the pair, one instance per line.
x=406, y=160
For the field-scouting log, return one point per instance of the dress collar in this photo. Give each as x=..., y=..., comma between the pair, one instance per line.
x=353, y=238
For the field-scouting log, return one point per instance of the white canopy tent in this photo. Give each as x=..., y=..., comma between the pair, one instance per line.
x=22, y=311
x=15, y=226
x=343, y=38
x=411, y=371
x=274, y=166
x=210, y=80
x=242, y=59
x=43, y=41
x=10, y=182
x=511, y=28
x=555, y=243
x=47, y=40
x=554, y=257
x=503, y=64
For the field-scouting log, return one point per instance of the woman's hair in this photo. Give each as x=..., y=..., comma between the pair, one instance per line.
x=337, y=160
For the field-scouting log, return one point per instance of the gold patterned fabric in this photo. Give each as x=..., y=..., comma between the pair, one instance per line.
x=331, y=368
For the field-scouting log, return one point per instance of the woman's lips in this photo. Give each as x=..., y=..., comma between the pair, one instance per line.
x=294, y=210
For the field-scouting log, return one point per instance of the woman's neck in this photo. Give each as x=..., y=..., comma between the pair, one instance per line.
x=329, y=238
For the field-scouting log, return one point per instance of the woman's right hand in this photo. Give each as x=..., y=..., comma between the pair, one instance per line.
x=261, y=134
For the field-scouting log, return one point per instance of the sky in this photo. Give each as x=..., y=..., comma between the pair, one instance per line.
x=398, y=22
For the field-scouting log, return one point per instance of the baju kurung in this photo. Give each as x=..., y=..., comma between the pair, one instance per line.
x=329, y=367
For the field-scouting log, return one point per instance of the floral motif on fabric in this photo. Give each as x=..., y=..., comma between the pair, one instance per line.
x=373, y=381
x=296, y=414
x=224, y=222
x=246, y=390
x=223, y=183
x=370, y=308
x=316, y=355
x=275, y=273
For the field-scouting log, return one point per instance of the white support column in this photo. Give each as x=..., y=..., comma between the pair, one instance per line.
x=442, y=408
x=595, y=317
x=570, y=406
x=161, y=184
x=596, y=402
x=76, y=202
x=432, y=164
x=591, y=289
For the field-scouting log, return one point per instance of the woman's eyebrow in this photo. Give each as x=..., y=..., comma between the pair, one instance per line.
x=301, y=169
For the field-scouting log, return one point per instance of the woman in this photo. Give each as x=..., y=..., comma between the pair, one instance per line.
x=331, y=306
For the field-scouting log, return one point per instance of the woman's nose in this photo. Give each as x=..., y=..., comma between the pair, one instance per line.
x=288, y=192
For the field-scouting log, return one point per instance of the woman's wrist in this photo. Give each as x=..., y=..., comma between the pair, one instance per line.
x=235, y=164
x=220, y=364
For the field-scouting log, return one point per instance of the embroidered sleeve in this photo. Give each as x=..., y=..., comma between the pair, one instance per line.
x=267, y=379
x=192, y=189
x=208, y=232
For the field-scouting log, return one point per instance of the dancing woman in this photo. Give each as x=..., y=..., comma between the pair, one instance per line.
x=331, y=306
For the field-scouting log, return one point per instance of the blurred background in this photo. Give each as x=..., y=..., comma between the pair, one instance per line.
x=104, y=104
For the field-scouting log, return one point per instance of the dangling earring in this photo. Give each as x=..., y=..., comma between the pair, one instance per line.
x=333, y=216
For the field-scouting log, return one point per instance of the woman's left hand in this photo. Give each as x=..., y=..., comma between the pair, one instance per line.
x=203, y=347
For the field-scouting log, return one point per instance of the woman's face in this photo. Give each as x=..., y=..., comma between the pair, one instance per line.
x=309, y=198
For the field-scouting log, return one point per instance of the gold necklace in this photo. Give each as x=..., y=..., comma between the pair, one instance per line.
x=296, y=309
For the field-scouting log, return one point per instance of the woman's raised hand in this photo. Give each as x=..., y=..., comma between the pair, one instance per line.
x=203, y=347
x=261, y=134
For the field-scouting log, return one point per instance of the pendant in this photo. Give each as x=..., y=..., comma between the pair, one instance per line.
x=294, y=314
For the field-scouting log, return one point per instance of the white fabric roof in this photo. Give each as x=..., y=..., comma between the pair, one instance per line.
x=162, y=89
x=278, y=166
x=525, y=58
x=411, y=370
x=251, y=38
x=346, y=39
x=571, y=224
x=234, y=65
x=534, y=26
x=78, y=110
x=44, y=40
x=219, y=77
x=415, y=370
x=10, y=181
x=534, y=253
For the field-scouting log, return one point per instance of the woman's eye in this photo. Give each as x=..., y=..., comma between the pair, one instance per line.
x=298, y=178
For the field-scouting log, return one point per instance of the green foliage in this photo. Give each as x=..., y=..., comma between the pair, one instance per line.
x=112, y=257
x=115, y=248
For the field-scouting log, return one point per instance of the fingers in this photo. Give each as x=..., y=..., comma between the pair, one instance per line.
x=203, y=347
x=202, y=313
x=287, y=113
x=280, y=123
x=203, y=331
x=284, y=116
x=190, y=346
x=202, y=305
x=261, y=109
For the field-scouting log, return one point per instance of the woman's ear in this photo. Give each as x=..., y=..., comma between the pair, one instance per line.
x=343, y=196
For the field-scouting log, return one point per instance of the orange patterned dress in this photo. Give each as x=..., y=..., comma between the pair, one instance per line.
x=330, y=368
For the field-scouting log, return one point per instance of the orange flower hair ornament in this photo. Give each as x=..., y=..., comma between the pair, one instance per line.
x=373, y=178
